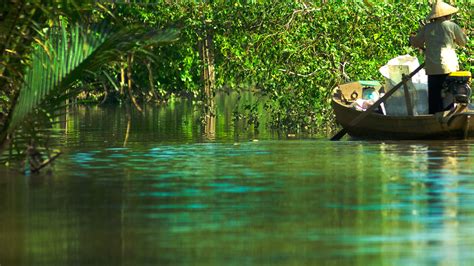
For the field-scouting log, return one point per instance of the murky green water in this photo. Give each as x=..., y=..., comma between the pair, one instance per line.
x=176, y=196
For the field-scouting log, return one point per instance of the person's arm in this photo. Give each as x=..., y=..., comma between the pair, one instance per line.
x=459, y=37
x=418, y=40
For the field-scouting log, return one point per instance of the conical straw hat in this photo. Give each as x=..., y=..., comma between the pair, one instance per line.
x=441, y=9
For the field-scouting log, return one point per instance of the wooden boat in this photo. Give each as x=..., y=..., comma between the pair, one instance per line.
x=456, y=123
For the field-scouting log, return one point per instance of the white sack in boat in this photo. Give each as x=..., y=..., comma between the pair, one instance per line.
x=418, y=87
x=362, y=104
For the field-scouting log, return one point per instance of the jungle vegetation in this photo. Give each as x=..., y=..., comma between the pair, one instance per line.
x=290, y=54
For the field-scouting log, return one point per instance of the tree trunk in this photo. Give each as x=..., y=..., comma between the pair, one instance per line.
x=151, y=81
x=122, y=78
x=129, y=77
x=206, y=52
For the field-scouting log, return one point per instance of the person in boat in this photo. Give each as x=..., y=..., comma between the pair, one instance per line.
x=439, y=39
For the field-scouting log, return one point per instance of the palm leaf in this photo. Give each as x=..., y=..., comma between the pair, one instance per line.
x=66, y=54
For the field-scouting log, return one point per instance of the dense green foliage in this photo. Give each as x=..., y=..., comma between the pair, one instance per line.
x=291, y=53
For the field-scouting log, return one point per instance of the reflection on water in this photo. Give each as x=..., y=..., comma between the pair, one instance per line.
x=432, y=194
x=174, y=197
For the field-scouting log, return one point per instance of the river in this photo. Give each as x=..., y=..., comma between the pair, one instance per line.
x=162, y=190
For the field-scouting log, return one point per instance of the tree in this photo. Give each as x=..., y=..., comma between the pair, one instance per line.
x=62, y=51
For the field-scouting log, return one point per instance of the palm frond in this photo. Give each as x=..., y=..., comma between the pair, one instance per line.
x=66, y=54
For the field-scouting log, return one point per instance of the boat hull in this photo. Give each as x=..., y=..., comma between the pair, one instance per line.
x=382, y=127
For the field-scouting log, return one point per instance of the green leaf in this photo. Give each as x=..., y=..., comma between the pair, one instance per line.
x=56, y=65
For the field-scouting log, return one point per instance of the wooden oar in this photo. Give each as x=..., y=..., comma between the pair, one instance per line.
x=363, y=115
